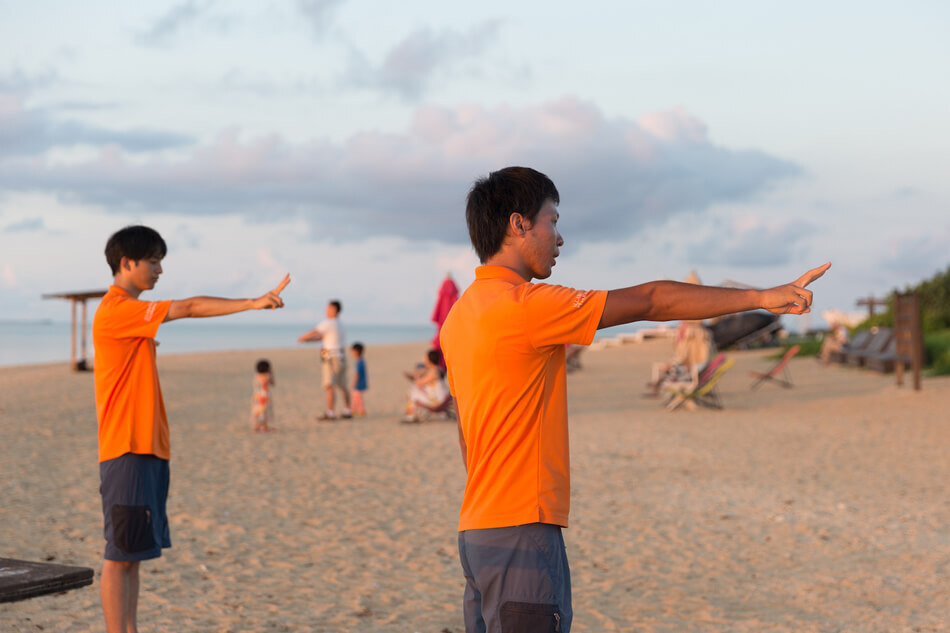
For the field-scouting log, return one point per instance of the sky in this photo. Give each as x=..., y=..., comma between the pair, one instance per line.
x=337, y=140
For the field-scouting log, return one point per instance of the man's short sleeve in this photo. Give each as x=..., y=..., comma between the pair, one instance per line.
x=557, y=315
x=136, y=319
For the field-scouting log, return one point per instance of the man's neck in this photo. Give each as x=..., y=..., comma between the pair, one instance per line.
x=511, y=260
x=130, y=288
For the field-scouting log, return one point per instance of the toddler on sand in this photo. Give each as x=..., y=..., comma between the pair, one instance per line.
x=262, y=404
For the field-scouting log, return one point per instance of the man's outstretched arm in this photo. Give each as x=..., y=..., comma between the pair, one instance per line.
x=201, y=307
x=674, y=301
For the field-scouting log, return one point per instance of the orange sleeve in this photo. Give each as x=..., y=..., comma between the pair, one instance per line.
x=133, y=318
x=557, y=315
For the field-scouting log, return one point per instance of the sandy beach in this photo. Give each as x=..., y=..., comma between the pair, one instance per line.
x=818, y=508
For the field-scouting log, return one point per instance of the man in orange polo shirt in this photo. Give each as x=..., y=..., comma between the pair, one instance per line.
x=133, y=430
x=504, y=346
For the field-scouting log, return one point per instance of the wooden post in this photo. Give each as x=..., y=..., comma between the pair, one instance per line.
x=85, y=363
x=871, y=303
x=910, y=340
x=75, y=297
x=72, y=331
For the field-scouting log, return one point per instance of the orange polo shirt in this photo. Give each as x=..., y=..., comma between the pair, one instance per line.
x=128, y=396
x=504, y=346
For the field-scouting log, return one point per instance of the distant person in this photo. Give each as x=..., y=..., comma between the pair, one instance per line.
x=262, y=403
x=504, y=344
x=428, y=391
x=692, y=348
x=833, y=343
x=133, y=429
x=333, y=360
x=360, y=382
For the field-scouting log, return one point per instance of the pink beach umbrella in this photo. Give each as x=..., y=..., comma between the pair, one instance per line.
x=448, y=295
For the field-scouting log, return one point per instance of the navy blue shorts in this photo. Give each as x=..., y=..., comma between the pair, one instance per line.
x=134, y=489
x=517, y=580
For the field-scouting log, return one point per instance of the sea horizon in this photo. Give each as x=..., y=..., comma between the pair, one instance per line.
x=43, y=341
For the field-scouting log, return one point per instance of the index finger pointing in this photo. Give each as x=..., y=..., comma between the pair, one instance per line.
x=283, y=283
x=812, y=275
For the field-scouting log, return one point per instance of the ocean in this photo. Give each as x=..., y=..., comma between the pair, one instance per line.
x=28, y=343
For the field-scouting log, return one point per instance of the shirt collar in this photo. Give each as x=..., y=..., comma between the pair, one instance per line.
x=499, y=272
x=120, y=291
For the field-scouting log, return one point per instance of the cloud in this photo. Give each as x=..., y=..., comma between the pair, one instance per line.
x=8, y=276
x=414, y=62
x=27, y=225
x=752, y=242
x=27, y=132
x=19, y=82
x=164, y=28
x=615, y=175
x=319, y=13
x=918, y=256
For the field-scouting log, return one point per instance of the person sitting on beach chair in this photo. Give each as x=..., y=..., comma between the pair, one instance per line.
x=692, y=349
x=428, y=392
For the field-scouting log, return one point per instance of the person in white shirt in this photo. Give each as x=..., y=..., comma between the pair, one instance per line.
x=333, y=355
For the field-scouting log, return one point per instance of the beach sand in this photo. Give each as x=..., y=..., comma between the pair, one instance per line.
x=818, y=508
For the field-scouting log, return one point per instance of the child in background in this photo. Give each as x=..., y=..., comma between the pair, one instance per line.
x=262, y=405
x=359, y=379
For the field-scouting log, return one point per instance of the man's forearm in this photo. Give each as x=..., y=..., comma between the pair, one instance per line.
x=201, y=307
x=674, y=301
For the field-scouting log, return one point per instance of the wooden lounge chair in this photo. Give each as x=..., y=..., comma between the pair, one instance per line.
x=779, y=372
x=703, y=392
x=860, y=340
x=21, y=579
x=886, y=361
x=875, y=345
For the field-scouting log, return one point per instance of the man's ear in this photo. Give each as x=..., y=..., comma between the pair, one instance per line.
x=516, y=223
x=125, y=263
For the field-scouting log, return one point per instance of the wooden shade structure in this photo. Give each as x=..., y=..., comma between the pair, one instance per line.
x=74, y=298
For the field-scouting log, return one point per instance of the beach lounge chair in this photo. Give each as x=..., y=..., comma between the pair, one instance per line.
x=703, y=392
x=779, y=372
x=886, y=361
x=445, y=409
x=860, y=340
x=21, y=579
x=876, y=345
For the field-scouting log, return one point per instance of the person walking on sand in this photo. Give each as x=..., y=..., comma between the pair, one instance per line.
x=504, y=344
x=333, y=359
x=134, y=446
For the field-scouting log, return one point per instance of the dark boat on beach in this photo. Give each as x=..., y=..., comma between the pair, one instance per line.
x=746, y=329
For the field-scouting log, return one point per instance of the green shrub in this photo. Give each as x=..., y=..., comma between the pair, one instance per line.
x=937, y=351
x=934, y=317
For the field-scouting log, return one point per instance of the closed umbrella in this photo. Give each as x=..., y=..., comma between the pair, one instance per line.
x=448, y=295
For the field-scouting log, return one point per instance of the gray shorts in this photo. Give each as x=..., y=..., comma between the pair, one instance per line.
x=517, y=580
x=134, y=489
x=334, y=372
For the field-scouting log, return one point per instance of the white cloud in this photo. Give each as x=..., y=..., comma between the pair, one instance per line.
x=751, y=241
x=319, y=13
x=615, y=175
x=419, y=58
x=9, y=276
x=169, y=24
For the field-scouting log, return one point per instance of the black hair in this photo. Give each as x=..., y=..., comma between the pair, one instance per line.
x=136, y=243
x=434, y=356
x=495, y=197
x=358, y=348
x=263, y=367
x=336, y=304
